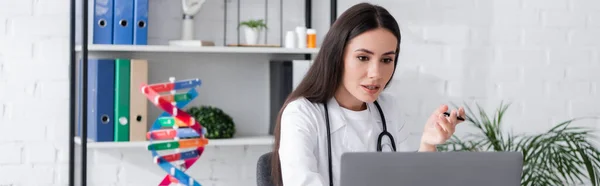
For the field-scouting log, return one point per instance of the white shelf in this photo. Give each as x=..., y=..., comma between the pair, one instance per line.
x=236, y=141
x=204, y=49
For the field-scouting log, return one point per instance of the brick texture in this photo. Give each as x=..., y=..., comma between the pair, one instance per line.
x=541, y=55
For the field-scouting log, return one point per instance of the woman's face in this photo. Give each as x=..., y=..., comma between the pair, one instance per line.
x=368, y=66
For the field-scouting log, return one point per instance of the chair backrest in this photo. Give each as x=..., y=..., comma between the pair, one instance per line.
x=263, y=170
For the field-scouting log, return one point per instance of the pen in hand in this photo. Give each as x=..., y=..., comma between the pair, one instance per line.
x=457, y=117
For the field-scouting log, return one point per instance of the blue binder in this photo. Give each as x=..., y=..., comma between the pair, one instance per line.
x=103, y=22
x=123, y=22
x=101, y=79
x=140, y=17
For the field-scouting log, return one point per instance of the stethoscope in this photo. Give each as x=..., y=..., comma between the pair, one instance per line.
x=379, y=138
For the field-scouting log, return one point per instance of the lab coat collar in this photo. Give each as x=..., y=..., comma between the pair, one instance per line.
x=351, y=140
x=335, y=115
x=375, y=113
x=337, y=118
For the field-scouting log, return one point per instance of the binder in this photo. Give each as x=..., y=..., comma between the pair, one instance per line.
x=121, y=101
x=280, y=86
x=138, y=125
x=100, y=99
x=103, y=22
x=140, y=17
x=123, y=22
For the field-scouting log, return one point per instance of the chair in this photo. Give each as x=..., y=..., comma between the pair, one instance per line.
x=263, y=170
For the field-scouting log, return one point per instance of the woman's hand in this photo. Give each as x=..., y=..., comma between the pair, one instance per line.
x=440, y=128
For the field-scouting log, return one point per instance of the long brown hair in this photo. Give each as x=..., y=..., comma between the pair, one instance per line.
x=325, y=75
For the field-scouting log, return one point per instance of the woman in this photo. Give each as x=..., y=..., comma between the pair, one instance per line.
x=340, y=96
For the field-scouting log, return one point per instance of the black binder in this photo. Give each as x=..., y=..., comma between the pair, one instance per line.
x=281, y=85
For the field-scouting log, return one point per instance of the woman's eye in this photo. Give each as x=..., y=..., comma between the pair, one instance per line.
x=363, y=58
x=387, y=60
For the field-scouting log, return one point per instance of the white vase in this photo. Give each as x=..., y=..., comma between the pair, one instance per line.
x=252, y=35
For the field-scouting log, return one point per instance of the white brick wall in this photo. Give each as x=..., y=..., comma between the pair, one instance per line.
x=542, y=55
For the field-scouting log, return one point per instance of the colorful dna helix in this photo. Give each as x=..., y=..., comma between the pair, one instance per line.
x=176, y=131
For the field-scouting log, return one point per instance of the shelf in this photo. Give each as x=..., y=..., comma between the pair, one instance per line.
x=205, y=49
x=236, y=141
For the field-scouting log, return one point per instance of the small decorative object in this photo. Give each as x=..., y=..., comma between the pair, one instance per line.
x=190, y=9
x=311, y=38
x=217, y=123
x=301, y=34
x=176, y=130
x=252, y=30
x=290, y=39
x=563, y=155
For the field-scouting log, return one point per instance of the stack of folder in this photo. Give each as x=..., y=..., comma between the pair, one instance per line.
x=116, y=108
x=120, y=22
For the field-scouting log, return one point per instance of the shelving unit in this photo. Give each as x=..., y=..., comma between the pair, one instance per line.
x=78, y=52
x=237, y=141
x=205, y=49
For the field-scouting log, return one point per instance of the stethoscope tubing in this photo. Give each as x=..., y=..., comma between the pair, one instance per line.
x=379, y=138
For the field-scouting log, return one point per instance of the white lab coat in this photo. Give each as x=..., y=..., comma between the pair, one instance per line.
x=303, y=146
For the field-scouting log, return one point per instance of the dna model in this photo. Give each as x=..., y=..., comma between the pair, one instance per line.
x=175, y=131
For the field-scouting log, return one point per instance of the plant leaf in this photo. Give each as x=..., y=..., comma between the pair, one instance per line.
x=564, y=155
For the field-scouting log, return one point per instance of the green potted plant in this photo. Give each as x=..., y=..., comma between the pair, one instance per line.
x=252, y=30
x=218, y=124
x=564, y=155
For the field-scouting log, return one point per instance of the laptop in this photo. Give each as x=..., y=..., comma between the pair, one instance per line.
x=431, y=168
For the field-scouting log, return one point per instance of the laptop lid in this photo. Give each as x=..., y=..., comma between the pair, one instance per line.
x=431, y=168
